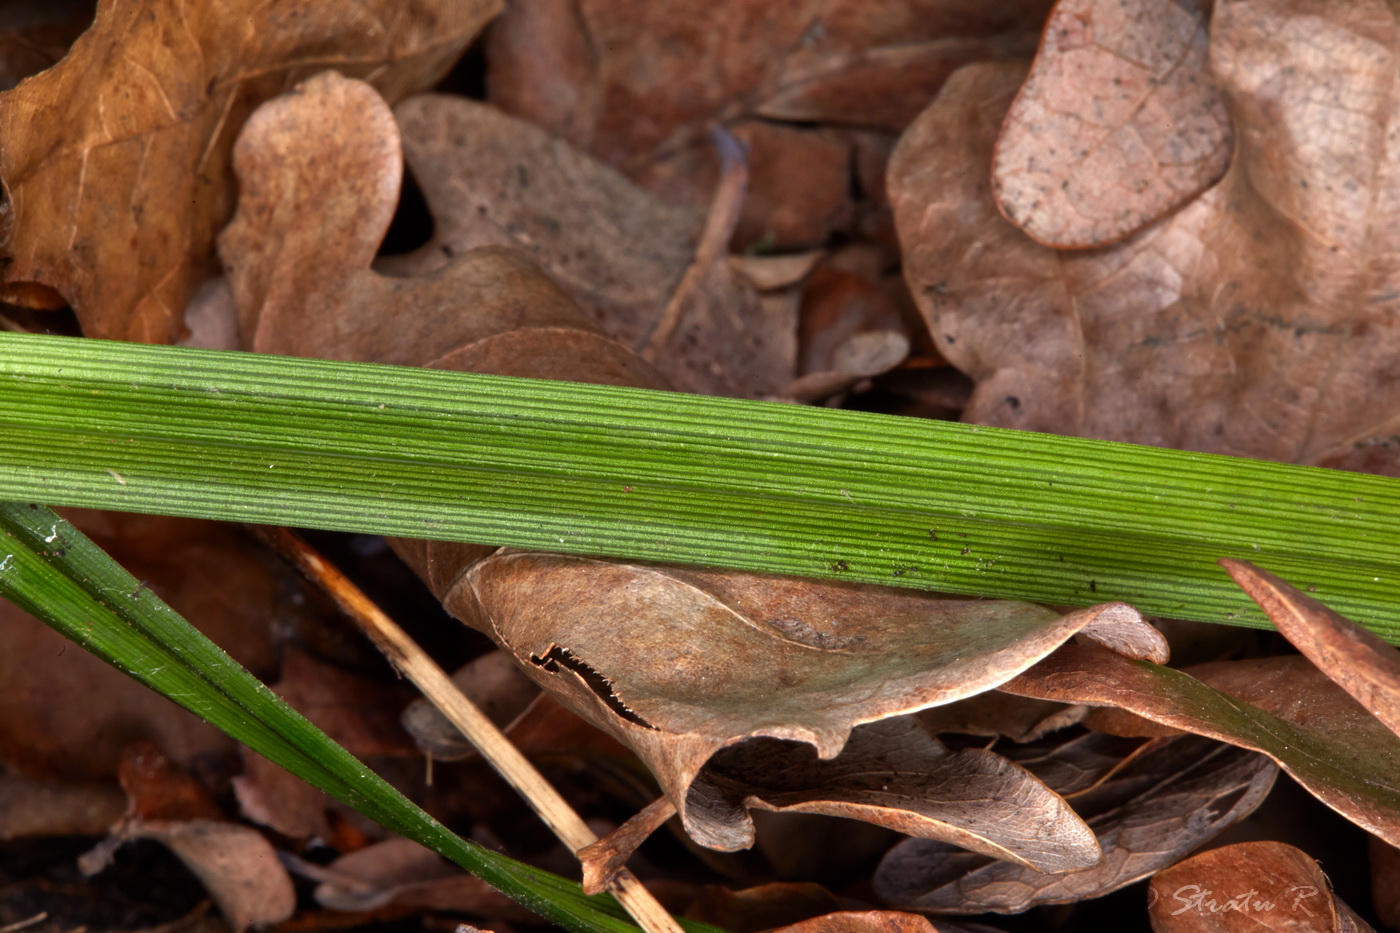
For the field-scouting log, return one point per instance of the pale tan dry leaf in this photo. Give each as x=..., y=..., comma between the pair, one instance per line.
x=236, y=865
x=1147, y=815
x=1251, y=887
x=1310, y=726
x=1358, y=660
x=678, y=664
x=1118, y=123
x=493, y=180
x=116, y=160
x=1271, y=294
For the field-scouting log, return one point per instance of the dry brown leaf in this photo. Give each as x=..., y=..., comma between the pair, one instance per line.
x=236, y=865
x=494, y=683
x=158, y=790
x=585, y=69
x=1150, y=813
x=492, y=180
x=1117, y=124
x=1271, y=294
x=678, y=664
x=1358, y=660
x=400, y=871
x=319, y=172
x=1251, y=887
x=116, y=160
x=1310, y=726
x=49, y=807
x=1076, y=762
x=1020, y=719
x=894, y=774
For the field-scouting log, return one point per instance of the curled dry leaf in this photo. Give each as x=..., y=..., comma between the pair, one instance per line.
x=1118, y=122
x=1271, y=293
x=492, y=180
x=679, y=664
x=1321, y=736
x=1147, y=815
x=116, y=160
x=1359, y=661
x=1251, y=887
x=237, y=866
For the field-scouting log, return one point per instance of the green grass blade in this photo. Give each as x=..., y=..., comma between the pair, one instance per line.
x=669, y=477
x=51, y=570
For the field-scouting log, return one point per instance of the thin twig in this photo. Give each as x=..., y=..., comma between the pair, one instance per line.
x=725, y=206
x=410, y=660
x=40, y=917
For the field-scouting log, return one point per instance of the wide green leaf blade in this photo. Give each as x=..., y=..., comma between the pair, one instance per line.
x=663, y=476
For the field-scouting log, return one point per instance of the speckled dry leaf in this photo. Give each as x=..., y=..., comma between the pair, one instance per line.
x=1117, y=124
x=1251, y=887
x=1272, y=294
x=678, y=664
x=1360, y=662
x=1148, y=815
x=492, y=180
x=236, y=865
x=116, y=160
x=1321, y=736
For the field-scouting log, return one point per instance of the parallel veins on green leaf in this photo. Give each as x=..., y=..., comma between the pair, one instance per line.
x=51, y=570
x=661, y=476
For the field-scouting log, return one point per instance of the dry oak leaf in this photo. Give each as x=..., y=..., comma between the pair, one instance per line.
x=1358, y=660
x=1161, y=805
x=116, y=160
x=493, y=180
x=1117, y=124
x=1257, y=320
x=1283, y=707
x=679, y=664
x=319, y=172
x=1251, y=887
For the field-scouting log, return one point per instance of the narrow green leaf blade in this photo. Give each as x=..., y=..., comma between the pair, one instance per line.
x=51, y=570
